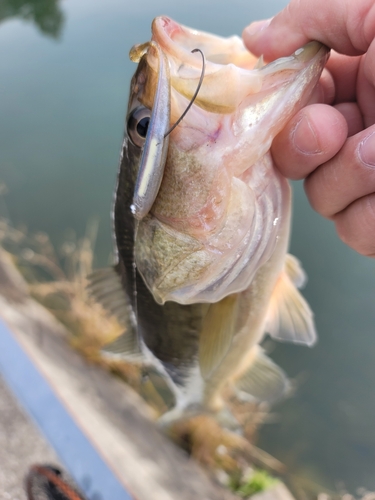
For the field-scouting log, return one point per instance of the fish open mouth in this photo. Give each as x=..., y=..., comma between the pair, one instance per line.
x=234, y=70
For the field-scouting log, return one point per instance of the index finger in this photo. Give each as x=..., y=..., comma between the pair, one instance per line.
x=344, y=71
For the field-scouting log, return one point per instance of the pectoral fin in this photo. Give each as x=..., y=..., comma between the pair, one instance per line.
x=106, y=288
x=264, y=380
x=217, y=334
x=289, y=316
x=294, y=270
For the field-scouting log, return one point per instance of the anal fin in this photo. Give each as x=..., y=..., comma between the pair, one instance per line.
x=263, y=380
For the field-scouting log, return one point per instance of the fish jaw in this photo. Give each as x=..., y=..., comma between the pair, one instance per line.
x=215, y=219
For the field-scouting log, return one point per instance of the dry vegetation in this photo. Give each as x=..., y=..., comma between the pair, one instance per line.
x=57, y=279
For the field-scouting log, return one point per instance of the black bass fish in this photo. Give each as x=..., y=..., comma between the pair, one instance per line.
x=202, y=217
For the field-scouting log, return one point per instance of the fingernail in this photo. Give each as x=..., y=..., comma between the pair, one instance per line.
x=304, y=137
x=257, y=27
x=366, y=150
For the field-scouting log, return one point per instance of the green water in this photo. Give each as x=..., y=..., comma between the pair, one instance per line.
x=64, y=76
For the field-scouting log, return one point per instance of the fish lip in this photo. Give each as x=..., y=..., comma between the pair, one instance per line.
x=164, y=38
x=164, y=29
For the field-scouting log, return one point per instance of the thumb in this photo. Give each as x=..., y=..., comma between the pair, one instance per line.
x=348, y=26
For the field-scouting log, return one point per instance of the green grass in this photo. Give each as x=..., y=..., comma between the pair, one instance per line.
x=259, y=481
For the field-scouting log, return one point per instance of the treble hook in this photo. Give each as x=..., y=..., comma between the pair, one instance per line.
x=195, y=94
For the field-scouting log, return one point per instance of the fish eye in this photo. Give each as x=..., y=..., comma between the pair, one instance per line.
x=137, y=126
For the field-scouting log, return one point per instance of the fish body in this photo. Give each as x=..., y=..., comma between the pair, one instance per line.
x=202, y=217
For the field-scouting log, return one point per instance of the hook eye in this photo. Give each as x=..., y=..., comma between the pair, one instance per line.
x=137, y=126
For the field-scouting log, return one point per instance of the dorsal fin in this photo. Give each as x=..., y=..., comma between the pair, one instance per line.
x=217, y=333
x=289, y=316
x=263, y=380
x=124, y=347
x=106, y=288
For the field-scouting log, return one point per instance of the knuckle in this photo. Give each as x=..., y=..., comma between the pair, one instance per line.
x=318, y=191
x=356, y=226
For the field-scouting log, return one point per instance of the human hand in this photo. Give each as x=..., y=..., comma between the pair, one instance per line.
x=330, y=142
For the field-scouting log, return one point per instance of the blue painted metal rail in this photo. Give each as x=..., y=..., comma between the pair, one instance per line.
x=75, y=451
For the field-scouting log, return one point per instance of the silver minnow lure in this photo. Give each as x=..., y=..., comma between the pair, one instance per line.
x=155, y=149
